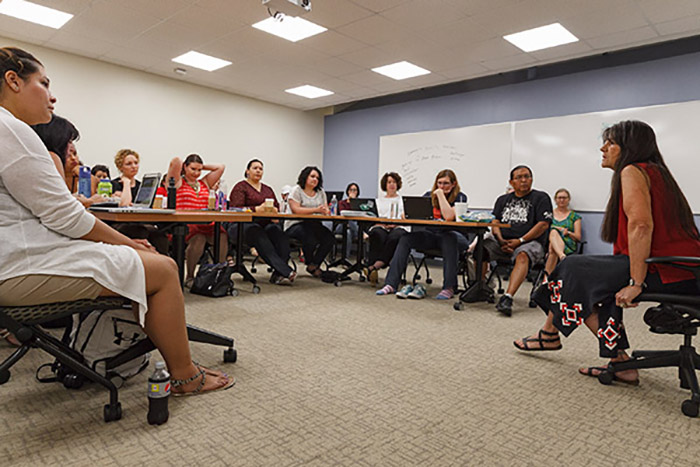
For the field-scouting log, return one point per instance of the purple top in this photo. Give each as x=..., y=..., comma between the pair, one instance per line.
x=243, y=195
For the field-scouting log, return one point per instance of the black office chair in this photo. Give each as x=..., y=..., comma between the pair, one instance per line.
x=420, y=262
x=675, y=314
x=25, y=323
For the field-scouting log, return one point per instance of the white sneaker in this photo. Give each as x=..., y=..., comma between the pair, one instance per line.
x=405, y=291
x=418, y=292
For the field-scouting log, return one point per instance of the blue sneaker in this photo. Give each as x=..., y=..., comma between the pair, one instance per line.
x=403, y=293
x=418, y=292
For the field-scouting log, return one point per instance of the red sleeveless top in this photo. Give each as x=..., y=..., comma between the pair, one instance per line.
x=668, y=238
x=189, y=199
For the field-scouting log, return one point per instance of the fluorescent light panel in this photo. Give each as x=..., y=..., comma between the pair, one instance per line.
x=34, y=13
x=289, y=27
x=201, y=61
x=540, y=38
x=401, y=70
x=308, y=91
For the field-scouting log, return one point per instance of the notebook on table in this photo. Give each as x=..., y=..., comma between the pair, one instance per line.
x=418, y=207
x=144, y=198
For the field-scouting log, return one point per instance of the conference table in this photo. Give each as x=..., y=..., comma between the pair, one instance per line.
x=179, y=220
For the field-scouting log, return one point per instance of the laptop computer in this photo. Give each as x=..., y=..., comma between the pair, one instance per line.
x=364, y=206
x=417, y=207
x=144, y=198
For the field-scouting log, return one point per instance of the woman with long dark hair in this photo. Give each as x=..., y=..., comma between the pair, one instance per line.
x=265, y=235
x=647, y=215
x=56, y=251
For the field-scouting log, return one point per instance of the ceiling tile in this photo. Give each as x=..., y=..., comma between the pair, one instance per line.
x=575, y=49
x=69, y=6
x=475, y=7
x=336, y=67
x=379, y=5
x=161, y=9
x=367, y=78
x=630, y=37
x=109, y=22
x=333, y=14
x=522, y=15
x=618, y=16
x=372, y=30
x=79, y=44
x=369, y=57
x=664, y=10
x=463, y=31
x=203, y=20
x=332, y=43
x=683, y=25
x=248, y=11
x=24, y=31
x=419, y=14
x=509, y=63
x=465, y=71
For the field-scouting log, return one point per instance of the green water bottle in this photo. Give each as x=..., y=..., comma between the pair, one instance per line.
x=104, y=188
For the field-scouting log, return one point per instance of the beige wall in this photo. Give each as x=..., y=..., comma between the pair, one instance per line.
x=116, y=107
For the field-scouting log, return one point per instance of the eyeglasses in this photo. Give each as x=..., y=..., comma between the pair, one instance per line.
x=522, y=177
x=561, y=197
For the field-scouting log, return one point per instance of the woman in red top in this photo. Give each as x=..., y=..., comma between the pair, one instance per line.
x=266, y=236
x=647, y=215
x=193, y=194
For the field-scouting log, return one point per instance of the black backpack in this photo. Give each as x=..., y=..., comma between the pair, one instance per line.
x=213, y=280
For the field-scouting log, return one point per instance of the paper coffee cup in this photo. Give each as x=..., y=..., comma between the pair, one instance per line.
x=460, y=210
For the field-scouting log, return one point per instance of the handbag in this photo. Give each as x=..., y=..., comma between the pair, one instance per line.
x=213, y=280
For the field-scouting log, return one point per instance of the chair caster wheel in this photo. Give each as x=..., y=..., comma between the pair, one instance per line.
x=4, y=376
x=362, y=278
x=230, y=355
x=337, y=283
x=690, y=408
x=256, y=289
x=428, y=281
x=112, y=413
x=606, y=378
x=73, y=381
x=532, y=304
x=235, y=293
x=116, y=380
x=253, y=270
x=417, y=277
x=500, y=291
x=458, y=306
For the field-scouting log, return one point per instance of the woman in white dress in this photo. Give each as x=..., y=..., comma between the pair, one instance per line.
x=54, y=250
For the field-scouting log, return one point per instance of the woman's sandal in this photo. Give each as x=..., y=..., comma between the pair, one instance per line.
x=9, y=337
x=176, y=383
x=594, y=371
x=525, y=347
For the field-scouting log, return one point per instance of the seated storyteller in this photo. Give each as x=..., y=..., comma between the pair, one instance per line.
x=193, y=194
x=308, y=197
x=384, y=238
x=265, y=235
x=565, y=232
x=647, y=215
x=56, y=251
x=529, y=213
x=445, y=193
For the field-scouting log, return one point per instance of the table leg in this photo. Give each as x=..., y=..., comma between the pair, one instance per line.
x=179, y=232
x=217, y=241
x=478, y=292
x=239, y=267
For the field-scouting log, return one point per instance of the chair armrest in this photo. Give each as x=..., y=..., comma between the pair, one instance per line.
x=673, y=259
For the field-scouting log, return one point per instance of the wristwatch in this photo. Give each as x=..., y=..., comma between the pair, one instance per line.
x=632, y=283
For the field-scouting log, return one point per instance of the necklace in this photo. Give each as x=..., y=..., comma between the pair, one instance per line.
x=195, y=185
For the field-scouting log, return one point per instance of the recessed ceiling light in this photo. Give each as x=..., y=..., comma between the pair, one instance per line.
x=289, y=27
x=540, y=38
x=34, y=13
x=401, y=70
x=201, y=61
x=311, y=92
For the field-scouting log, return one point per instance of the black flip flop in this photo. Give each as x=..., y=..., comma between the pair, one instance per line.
x=540, y=341
x=589, y=372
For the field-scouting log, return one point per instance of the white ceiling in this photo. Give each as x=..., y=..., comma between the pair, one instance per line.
x=455, y=39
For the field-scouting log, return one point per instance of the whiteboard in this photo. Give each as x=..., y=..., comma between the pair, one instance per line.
x=418, y=157
x=561, y=151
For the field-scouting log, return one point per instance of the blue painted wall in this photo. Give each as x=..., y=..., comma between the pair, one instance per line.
x=351, y=140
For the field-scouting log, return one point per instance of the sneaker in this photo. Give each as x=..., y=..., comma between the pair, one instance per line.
x=403, y=293
x=418, y=292
x=445, y=294
x=276, y=278
x=505, y=305
x=386, y=290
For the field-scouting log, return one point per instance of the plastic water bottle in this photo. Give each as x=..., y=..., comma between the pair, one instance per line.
x=158, y=395
x=172, y=194
x=84, y=181
x=334, y=206
x=104, y=188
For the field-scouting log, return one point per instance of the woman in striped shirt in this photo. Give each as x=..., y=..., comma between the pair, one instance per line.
x=193, y=194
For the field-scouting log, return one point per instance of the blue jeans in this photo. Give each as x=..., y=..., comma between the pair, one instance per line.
x=450, y=242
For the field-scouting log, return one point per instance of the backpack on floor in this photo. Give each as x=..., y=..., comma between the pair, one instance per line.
x=213, y=280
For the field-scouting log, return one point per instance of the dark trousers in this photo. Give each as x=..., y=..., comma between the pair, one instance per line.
x=316, y=240
x=270, y=241
x=383, y=243
x=449, y=242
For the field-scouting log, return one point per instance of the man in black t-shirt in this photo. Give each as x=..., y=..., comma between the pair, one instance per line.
x=529, y=213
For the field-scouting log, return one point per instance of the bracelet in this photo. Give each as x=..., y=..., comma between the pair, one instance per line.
x=522, y=240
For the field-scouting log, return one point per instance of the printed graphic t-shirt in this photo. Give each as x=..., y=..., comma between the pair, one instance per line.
x=523, y=213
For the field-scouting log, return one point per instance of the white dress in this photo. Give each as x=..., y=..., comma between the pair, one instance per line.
x=41, y=222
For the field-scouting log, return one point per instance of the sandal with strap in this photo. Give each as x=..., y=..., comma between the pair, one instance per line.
x=540, y=340
x=176, y=383
x=594, y=371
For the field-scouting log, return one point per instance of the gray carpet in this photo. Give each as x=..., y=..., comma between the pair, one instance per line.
x=337, y=376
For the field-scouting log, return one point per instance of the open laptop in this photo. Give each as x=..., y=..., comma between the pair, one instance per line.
x=360, y=207
x=338, y=195
x=417, y=207
x=144, y=198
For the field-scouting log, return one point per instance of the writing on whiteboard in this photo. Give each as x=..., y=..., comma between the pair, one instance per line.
x=427, y=157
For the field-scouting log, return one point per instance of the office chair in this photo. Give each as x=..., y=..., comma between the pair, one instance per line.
x=25, y=323
x=422, y=263
x=675, y=314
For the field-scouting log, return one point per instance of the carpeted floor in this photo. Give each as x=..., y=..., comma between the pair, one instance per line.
x=337, y=376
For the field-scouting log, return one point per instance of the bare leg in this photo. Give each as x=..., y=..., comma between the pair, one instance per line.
x=195, y=248
x=552, y=255
x=557, y=244
x=165, y=320
x=517, y=276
